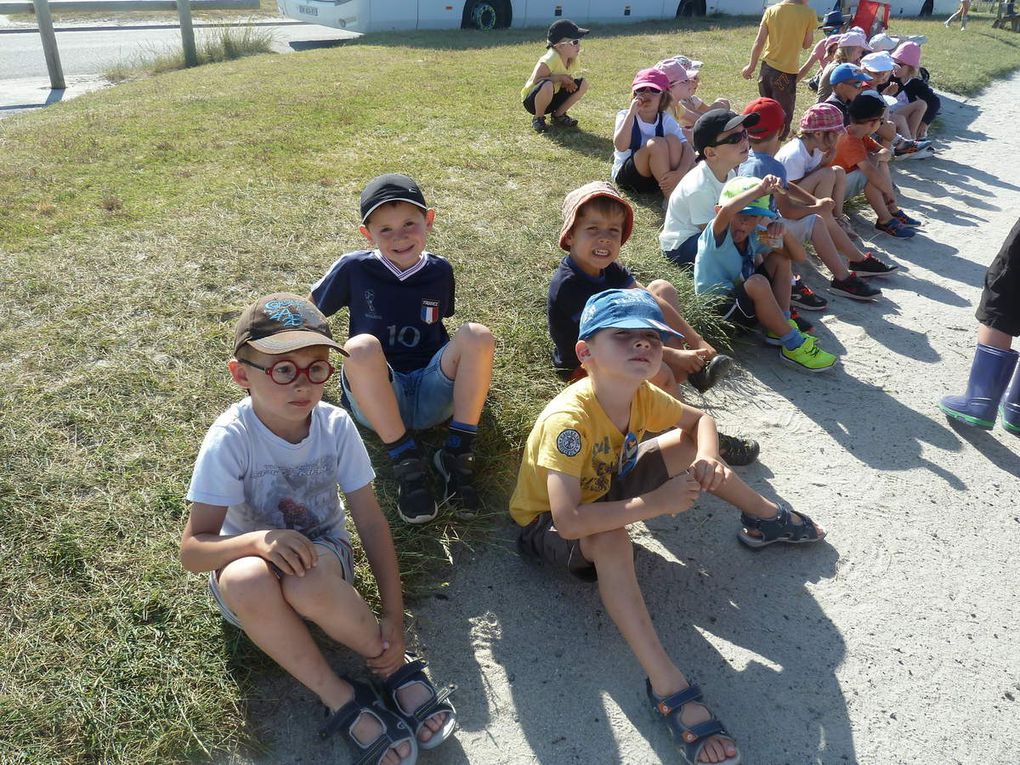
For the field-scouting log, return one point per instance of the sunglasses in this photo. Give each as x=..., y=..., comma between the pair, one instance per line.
x=733, y=139
x=647, y=91
x=678, y=82
x=286, y=372
x=569, y=42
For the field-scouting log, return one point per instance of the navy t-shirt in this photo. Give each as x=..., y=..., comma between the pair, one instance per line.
x=568, y=292
x=404, y=310
x=840, y=104
x=759, y=164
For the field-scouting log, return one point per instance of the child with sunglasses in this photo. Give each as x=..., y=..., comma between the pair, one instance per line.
x=267, y=524
x=552, y=88
x=651, y=153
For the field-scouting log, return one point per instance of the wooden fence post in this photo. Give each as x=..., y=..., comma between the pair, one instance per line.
x=187, y=33
x=49, y=43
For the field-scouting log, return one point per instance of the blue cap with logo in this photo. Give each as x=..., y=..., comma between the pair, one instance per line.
x=847, y=73
x=623, y=309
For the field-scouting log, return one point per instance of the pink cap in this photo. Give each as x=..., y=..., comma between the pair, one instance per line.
x=822, y=118
x=673, y=70
x=908, y=53
x=853, y=40
x=651, y=78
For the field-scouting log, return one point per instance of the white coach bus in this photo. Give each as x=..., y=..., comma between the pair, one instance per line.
x=386, y=15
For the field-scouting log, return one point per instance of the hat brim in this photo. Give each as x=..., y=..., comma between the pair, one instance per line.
x=628, y=218
x=766, y=213
x=284, y=342
x=664, y=330
x=416, y=202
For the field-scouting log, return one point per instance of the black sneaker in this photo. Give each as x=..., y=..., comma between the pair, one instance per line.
x=805, y=298
x=871, y=266
x=538, y=124
x=414, y=500
x=716, y=369
x=803, y=324
x=737, y=451
x=855, y=288
x=458, y=474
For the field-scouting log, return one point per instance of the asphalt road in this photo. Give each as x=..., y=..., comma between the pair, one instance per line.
x=90, y=51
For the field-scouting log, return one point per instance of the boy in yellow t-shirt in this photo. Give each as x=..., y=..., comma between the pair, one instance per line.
x=786, y=28
x=586, y=476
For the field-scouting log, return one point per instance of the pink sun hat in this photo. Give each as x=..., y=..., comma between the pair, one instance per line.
x=908, y=53
x=674, y=70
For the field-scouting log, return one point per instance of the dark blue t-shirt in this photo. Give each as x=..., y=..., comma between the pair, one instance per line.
x=404, y=310
x=568, y=292
x=758, y=165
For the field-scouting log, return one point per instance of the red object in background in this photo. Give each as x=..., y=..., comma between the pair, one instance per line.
x=872, y=17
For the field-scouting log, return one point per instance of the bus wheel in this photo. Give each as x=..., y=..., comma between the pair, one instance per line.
x=688, y=8
x=483, y=14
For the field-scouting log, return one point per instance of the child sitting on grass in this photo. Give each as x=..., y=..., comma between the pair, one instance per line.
x=586, y=476
x=597, y=221
x=754, y=288
x=651, y=152
x=687, y=107
x=552, y=87
x=267, y=523
x=404, y=372
x=866, y=165
x=807, y=218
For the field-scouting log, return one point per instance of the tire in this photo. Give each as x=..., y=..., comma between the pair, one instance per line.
x=689, y=8
x=485, y=15
x=927, y=8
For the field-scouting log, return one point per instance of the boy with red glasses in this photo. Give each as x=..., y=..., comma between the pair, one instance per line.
x=267, y=523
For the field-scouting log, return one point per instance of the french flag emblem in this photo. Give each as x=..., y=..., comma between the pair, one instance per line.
x=430, y=311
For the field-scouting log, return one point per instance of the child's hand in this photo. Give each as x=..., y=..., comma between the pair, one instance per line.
x=678, y=493
x=747, y=71
x=891, y=89
x=709, y=472
x=391, y=631
x=769, y=184
x=774, y=230
x=691, y=361
x=290, y=551
x=568, y=83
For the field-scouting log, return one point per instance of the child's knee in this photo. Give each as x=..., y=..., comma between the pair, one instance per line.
x=664, y=290
x=838, y=172
x=757, y=285
x=611, y=546
x=362, y=349
x=247, y=584
x=476, y=338
x=657, y=145
x=582, y=87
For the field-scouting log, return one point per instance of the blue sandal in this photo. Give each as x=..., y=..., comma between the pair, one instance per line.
x=689, y=741
x=394, y=730
x=409, y=674
x=778, y=529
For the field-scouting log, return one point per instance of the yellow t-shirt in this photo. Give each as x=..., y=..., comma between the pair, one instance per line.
x=574, y=435
x=788, y=23
x=554, y=61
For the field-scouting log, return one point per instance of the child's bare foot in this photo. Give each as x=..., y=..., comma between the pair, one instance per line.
x=367, y=729
x=413, y=696
x=683, y=718
x=426, y=709
x=784, y=526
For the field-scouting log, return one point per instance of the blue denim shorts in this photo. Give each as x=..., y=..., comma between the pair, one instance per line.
x=424, y=396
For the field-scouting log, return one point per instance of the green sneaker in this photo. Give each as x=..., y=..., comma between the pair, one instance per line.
x=809, y=356
x=773, y=339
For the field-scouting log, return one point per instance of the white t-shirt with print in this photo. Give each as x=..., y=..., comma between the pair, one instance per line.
x=669, y=127
x=266, y=482
x=691, y=205
x=797, y=160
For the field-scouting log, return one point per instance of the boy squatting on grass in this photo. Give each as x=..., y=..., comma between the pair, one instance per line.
x=404, y=373
x=808, y=218
x=756, y=288
x=586, y=476
x=597, y=221
x=267, y=524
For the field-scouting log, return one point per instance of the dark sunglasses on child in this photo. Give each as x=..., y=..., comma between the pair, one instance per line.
x=735, y=138
x=647, y=91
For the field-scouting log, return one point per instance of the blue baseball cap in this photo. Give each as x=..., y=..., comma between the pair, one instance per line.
x=847, y=73
x=624, y=309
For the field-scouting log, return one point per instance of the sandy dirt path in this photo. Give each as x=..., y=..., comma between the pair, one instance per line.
x=896, y=642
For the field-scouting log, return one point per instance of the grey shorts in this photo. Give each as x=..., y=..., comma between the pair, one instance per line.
x=338, y=547
x=540, y=539
x=801, y=228
x=855, y=183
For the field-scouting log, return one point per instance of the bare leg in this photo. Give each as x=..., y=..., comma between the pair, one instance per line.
x=467, y=361
x=543, y=98
x=368, y=375
x=821, y=238
x=770, y=314
x=819, y=183
x=838, y=189
x=877, y=201
x=843, y=243
x=652, y=159
x=994, y=338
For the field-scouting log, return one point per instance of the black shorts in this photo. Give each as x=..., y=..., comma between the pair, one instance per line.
x=739, y=308
x=1000, y=300
x=630, y=179
x=558, y=99
x=540, y=539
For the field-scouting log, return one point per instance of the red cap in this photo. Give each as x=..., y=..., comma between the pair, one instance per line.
x=771, y=117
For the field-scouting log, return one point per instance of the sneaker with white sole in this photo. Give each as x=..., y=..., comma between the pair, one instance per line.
x=805, y=298
x=855, y=288
x=870, y=266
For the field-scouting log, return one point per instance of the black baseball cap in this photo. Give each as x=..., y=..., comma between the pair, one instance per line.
x=715, y=122
x=283, y=322
x=564, y=29
x=392, y=187
x=866, y=107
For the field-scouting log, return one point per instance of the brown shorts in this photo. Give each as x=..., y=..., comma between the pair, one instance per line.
x=539, y=539
x=781, y=87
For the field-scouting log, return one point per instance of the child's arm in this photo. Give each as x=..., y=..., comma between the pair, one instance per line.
x=706, y=469
x=541, y=72
x=204, y=549
x=374, y=532
x=756, y=49
x=621, y=138
x=574, y=520
x=722, y=219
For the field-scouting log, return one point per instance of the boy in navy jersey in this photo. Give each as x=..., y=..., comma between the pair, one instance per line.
x=405, y=373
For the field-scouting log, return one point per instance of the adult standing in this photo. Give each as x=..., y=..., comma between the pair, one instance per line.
x=786, y=28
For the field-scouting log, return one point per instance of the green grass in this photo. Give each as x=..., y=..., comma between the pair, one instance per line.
x=135, y=223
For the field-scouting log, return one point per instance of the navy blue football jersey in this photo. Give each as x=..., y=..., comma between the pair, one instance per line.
x=403, y=309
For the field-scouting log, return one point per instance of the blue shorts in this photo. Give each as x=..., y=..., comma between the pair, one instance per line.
x=424, y=396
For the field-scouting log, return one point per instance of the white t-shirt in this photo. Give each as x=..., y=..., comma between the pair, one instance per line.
x=266, y=482
x=797, y=160
x=669, y=127
x=691, y=205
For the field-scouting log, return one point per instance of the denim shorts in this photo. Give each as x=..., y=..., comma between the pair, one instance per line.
x=338, y=547
x=685, y=254
x=424, y=396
